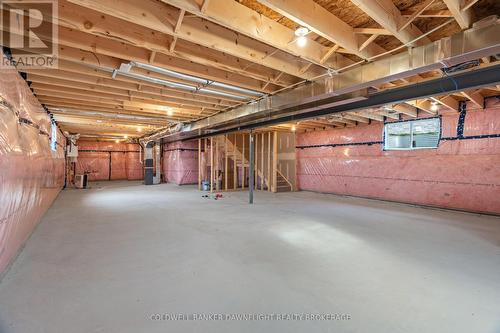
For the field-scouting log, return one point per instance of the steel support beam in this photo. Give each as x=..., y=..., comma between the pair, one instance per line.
x=483, y=77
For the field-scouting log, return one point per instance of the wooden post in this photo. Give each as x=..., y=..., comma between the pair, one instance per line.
x=235, y=164
x=251, y=164
x=263, y=141
x=199, y=164
x=243, y=162
x=255, y=172
x=275, y=162
x=269, y=161
x=225, y=162
x=217, y=186
x=211, y=164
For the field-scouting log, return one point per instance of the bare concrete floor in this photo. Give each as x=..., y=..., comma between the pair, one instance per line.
x=108, y=258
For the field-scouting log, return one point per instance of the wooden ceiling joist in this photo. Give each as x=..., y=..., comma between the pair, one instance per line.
x=107, y=47
x=405, y=109
x=122, y=88
x=88, y=74
x=115, y=96
x=354, y=117
x=309, y=14
x=428, y=13
x=419, y=9
x=161, y=17
x=237, y=43
x=372, y=31
x=86, y=20
x=199, y=65
x=117, y=108
x=254, y=25
x=110, y=102
x=99, y=119
x=462, y=16
x=447, y=101
x=475, y=97
x=385, y=13
x=370, y=115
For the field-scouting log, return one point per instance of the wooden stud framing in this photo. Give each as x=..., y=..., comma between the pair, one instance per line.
x=225, y=162
x=217, y=166
x=235, y=163
x=269, y=161
x=211, y=164
x=275, y=161
x=256, y=160
x=243, y=162
x=199, y=164
x=262, y=145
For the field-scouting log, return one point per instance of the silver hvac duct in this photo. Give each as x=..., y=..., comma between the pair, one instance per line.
x=152, y=151
x=481, y=41
x=124, y=72
x=194, y=79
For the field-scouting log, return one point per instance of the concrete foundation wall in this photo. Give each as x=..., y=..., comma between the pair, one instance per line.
x=180, y=162
x=104, y=160
x=31, y=173
x=459, y=174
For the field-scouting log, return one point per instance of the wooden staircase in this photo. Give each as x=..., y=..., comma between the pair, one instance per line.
x=236, y=160
x=282, y=183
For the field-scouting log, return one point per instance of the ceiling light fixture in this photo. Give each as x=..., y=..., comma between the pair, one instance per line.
x=139, y=129
x=301, y=33
x=170, y=112
x=293, y=128
x=434, y=106
x=117, y=141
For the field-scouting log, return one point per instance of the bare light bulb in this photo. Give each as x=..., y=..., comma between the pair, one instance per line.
x=293, y=128
x=139, y=129
x=170, y=112
x=301, y=33
x=117, y=141
x=302, y=41
x=434, y=106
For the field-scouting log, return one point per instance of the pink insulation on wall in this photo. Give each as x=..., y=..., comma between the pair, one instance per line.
x=103, y=160
x=180, y=162
x=459, y=174
x=32, y=174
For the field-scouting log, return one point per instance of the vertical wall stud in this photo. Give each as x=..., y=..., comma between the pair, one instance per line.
x=199, y=164
x=235, y=163
x=262, y=141
x=225, y=162
x=269, y=161
x=211, y=164
x=243, y=162
x=251, y=167
x=256, y=164
x=275, y=162
x=217, y=166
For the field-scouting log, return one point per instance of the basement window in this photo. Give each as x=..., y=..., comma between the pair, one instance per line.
x=413, y=134
x=53, y=137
